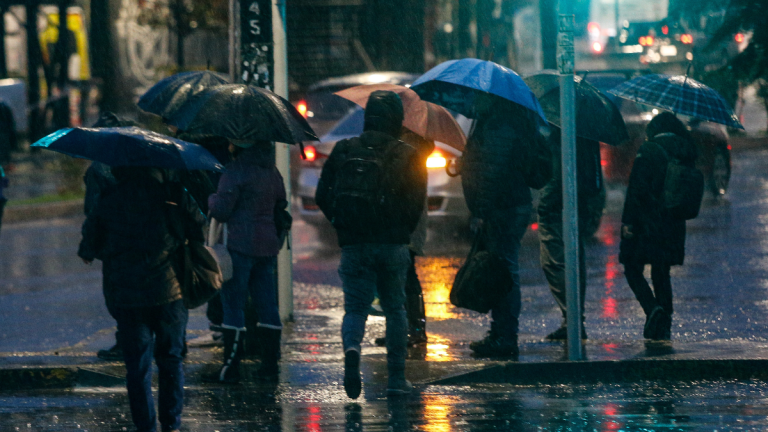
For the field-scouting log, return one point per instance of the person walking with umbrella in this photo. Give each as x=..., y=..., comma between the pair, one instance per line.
x=650, y=234
x=248, y=194
x=130, y=232
x=501, y=161
x=597, y=120
x=136, y=229
x=372, y=189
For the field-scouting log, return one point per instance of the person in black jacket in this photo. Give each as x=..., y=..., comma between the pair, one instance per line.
x=550, y=210
x=130, y=232
x=375, y=253
x=497, y=194
x=649, y=234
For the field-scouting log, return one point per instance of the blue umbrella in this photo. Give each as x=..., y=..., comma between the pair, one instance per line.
x=456, y=84
x=679, y=94
x=165, y=97
x=130, y=146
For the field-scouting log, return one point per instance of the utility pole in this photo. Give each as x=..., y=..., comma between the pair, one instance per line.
x=178, y=18
x=62, y=44
x=259, y=56
x=565, y=64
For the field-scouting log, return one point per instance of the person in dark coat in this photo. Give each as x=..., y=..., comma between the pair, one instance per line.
x=649, y=234
x=496, y=193
x=377, y=259
x=248, y=193
x=98, y=177
x=131, y=231
x=550, y=211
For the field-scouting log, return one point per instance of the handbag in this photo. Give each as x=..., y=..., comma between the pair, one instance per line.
x=200, y=274
x=482, y=280
x=220, y=252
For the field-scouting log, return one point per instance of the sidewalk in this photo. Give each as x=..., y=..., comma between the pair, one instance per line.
x=719, y=333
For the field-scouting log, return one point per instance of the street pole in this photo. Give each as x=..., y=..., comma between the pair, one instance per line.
x=565, y=63
x=259, y=57
x=3, y=63
x=283, y=159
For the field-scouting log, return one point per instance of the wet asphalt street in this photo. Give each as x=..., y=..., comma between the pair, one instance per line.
x=51, y=307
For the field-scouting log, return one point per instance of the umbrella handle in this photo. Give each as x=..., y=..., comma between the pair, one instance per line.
x=456, y=165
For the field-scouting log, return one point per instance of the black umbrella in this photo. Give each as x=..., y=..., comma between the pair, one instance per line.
x=243, y=112
x=597, y=117
x=165, y=97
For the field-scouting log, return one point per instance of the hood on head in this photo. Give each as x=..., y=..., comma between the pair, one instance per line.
x=384, y=113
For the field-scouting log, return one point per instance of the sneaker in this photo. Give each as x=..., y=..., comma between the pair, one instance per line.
x=113, y=354
x=399, y=388
x=561, y=334
x=352, y=383
x=651, y=327
x=496, y=346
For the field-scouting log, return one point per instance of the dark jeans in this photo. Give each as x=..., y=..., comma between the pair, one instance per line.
x=364, y=270
x=142, y=331
x=503, y=231
x=254, y=275
x=552, y=258
x=662, y=286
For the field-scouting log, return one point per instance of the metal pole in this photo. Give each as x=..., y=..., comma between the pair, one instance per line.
x=565, y=60
x=233, y=40
x=283, y=159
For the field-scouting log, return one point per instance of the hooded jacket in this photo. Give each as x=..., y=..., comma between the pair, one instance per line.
x=658, y=237
x=383, y=117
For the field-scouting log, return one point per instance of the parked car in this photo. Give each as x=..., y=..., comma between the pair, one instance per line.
x=712, y=139
x=445, y=198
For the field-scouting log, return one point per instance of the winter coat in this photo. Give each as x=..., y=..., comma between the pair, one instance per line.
x=248, y=192
x=658, y=237
x=489, y=175
x=413, y=187
x=129, y=231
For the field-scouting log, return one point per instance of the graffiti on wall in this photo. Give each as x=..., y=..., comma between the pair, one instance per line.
x=144, y=39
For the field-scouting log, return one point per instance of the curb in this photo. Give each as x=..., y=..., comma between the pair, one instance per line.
x=612, y=371
x=28, y=212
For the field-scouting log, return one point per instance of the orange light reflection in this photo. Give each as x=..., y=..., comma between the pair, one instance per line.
x=436, y=275
x=437, y=414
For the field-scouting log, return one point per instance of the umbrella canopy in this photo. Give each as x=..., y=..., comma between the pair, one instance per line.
x=130, y=146
x=165, y=97
x=679, y=94
x=456, y=84
x=242, y=112
x=426, y=119
x=597, y=117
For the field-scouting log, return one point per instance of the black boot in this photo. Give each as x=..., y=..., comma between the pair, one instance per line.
x=417, y=319
x=270, y=356
x=229, y=372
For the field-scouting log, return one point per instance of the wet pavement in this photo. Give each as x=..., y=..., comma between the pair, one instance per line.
x=53, y=316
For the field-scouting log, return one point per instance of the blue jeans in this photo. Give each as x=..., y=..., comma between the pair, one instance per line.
x=503, y=231
x=254, y=275
x=142, y=331
x=366, y=269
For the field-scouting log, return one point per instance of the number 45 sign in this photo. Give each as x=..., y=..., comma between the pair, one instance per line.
x=256, y=41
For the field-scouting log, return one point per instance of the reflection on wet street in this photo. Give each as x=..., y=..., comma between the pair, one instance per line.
x=646, y=406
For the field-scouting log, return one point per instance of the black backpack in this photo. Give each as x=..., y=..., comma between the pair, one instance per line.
x=365, y=187
x=683, y=189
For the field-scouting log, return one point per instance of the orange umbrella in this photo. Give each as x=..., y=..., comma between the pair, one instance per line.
x=426, y=119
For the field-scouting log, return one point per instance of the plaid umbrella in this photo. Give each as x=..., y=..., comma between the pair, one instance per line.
x=679, y=94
